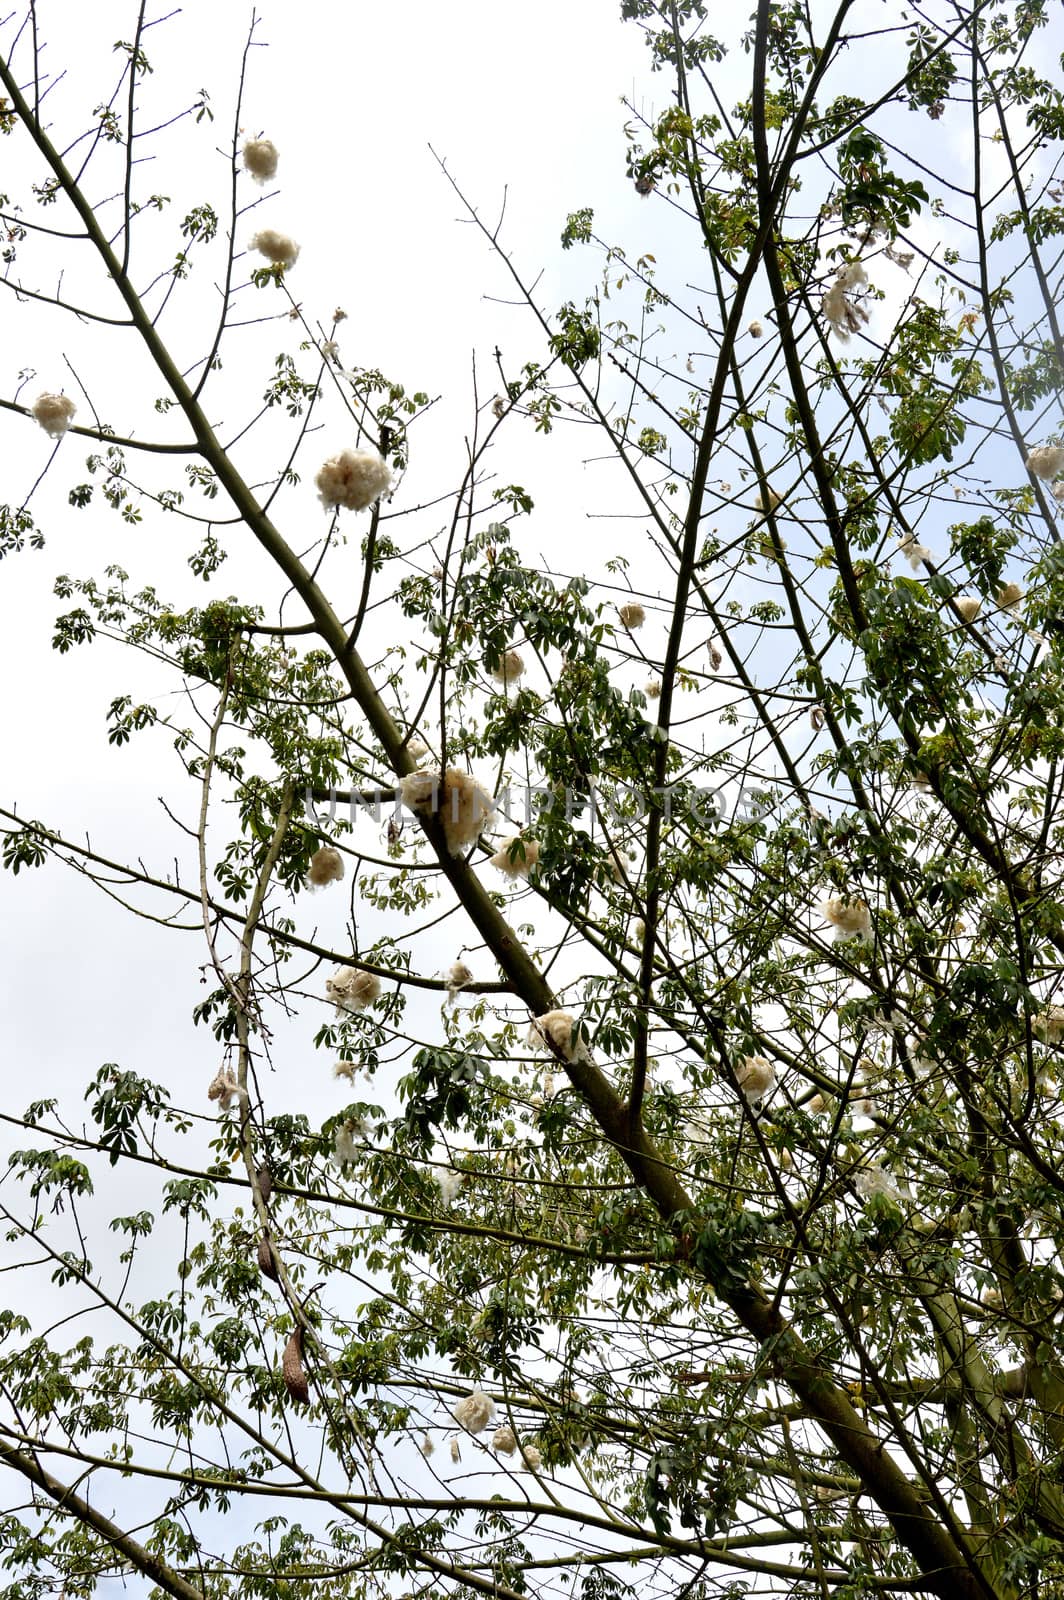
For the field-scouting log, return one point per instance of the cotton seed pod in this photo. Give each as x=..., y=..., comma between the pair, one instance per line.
x=511, y=667
x=632, y=615
x=849, y=918
x=652, y=689
x=1050, y=1025
x=456, y=1453
x=756, y=1078
x=475, y=1412
x=532, y=1457
x=346, y=1069
x=816, y=1105
x=715, y=658
x=505, y=1440
x=352, y=989
x=353, y=480
x=295, y=1379
x=816, y=717
x=498, y=408
x=223, y=1088
x=516, y=856
x=326, y=866
x=260, y=159
x=54, y=412
x=1046, y=461
x=264, y=1179
x=1009, y=596
x=755, y=330
x=773, y=500
x=969, y=606
x=417, y=749
x=278, y=248
x=458, y=975
x=426, y=1447
x=462, y=807
x=265, y=1259
x=556, y=1028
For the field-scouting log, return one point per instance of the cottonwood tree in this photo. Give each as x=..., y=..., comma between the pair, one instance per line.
x=690, y=1214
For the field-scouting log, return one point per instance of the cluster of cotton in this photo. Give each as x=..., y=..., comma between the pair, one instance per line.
x=632, y=615
x=458, y=975
x=260, y=159
x=532, y=1457
x=326, y=866
x=54, y=412
x=345, y=1141
x=969, y=606
x=417, y=749
x=354, y=480
x=346, y=1069
x=845, y=314
x=464, y=809
x=850, y=918
x=652, y=689
x=352, y=989
x=555, y=1028
x=505, y=1440
x=475, y=1412
x=516, y=856
x=1009, y=596
x=756, y=1078
x=914, y=553
x=278, y=248
x=510, y=668
x=1046, y=462
x=1050, y=1025
x=770, y=502
x=449, y=1184
x=223, y=1088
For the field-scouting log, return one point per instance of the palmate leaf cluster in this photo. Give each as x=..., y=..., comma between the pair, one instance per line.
x=787, y=738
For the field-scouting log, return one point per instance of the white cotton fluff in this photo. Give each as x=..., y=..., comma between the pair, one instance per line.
x=417, y=749
x=914, y=552
x=516, y=856
x=1050, y=1025
x=850, y=918
x=352, y=989
x=449, y=1184
x=510, y=668
x=715, y=658
x=843, y=313
x=260, y=159
x=278, y=248
x=54, y=412
x=532, y=1457
x=223, y=1088
x=354, y=480
x=462, y=807
x=872, y=1180
x=1047, y=461
x=475, y=1412
x=505, y=1440
x=346, y=1069
x=774, y=500
x=326, y=866
x=756, y=1078
x=652, y=689
x=969, y=606
x=426, y=1447
x=755, y=330
x=458, y=975
x=556, y=1028
x=456, y=1452
x=632, y=615
x=1009, y=596
x=345, y=1146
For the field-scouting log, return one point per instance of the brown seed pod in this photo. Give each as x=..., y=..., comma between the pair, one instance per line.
x=295, y=1379
x=264, y=1179
x=267, y=1265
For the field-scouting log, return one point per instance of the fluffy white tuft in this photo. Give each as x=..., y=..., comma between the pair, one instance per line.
x=354, y=480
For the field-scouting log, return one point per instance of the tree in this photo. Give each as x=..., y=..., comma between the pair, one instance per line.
x=693, y=1180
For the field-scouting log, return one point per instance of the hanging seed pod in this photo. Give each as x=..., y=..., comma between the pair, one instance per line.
x=264, y=1179
x=295, y=1379
x=267, y=1265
